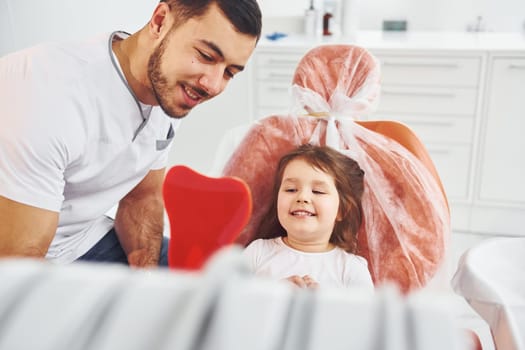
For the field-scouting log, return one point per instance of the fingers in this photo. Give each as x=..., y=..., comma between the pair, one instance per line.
x=303, y=282
x=310, y=282
x=297, y=280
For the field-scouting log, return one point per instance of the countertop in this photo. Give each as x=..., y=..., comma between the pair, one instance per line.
x=377, y=40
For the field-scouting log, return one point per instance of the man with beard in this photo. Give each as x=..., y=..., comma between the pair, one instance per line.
x=84, y=128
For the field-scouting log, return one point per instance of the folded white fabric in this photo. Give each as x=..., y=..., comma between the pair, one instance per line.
x=93, y=306
x=491, y=277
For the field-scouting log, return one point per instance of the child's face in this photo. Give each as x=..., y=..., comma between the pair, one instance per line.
x=308, y=203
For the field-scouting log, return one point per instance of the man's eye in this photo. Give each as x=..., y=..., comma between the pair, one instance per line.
x=206, y=57
x=229, y=74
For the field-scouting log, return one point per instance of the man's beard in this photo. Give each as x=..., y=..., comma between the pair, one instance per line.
x=159, y=83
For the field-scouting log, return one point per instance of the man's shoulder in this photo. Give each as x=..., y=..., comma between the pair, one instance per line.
x=85, y=59
x=55, y=61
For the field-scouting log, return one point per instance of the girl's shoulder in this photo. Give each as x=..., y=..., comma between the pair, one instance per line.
x=353, y=258
x=356, y=272
x=263, y=243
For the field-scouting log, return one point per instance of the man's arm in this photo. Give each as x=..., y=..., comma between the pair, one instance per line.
x=139, y=221
x=25, y=230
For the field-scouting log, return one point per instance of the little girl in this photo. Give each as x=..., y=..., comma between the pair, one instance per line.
x=308, y=236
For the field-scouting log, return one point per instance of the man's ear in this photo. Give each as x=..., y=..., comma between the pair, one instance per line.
x=161, y=20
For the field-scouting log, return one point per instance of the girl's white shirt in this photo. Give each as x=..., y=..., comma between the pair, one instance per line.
x=334, y=268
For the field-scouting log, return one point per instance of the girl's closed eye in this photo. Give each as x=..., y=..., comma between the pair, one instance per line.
x=291, y=190
x=318, y=192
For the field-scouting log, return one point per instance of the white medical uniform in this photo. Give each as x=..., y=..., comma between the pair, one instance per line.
x=74, y=139
x=335, y=268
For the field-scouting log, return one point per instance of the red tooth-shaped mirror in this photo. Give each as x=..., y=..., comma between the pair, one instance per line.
x=205, y=214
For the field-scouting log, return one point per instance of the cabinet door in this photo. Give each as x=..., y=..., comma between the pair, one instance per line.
x=437, y=98
x=273, y=78
x=428, y=100
x=425, y=70
x=503, y=150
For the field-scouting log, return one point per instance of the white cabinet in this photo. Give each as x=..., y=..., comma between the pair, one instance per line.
x=436, y=95
x=466, y=102
x=502, y=165
x=467, y=107
x=500, y=187
x=273, y=72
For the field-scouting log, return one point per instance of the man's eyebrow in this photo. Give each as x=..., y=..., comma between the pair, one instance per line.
x=218, y=51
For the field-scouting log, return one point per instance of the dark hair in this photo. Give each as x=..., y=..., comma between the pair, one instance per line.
x=245, y=15
x=349, y=182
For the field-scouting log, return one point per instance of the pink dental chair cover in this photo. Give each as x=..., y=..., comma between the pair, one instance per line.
x=406, y=217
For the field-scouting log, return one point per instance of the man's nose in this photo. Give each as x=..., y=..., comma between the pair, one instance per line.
x=212, y=81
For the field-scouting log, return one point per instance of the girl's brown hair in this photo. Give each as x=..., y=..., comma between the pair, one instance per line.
x=348, y=178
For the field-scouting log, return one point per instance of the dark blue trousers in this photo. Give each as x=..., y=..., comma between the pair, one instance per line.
x=109, y=250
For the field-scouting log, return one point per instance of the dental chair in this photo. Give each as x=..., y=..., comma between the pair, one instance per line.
x=490, y=278
x=406, y=216
x=208, y=299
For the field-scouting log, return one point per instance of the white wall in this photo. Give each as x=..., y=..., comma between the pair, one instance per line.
x=26, y=22
x=441, y=15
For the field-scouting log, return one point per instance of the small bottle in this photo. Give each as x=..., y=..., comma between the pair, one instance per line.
x=310, y=20
x=327, y=19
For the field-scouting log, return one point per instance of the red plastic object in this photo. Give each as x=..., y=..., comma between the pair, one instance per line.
x=205, y=214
